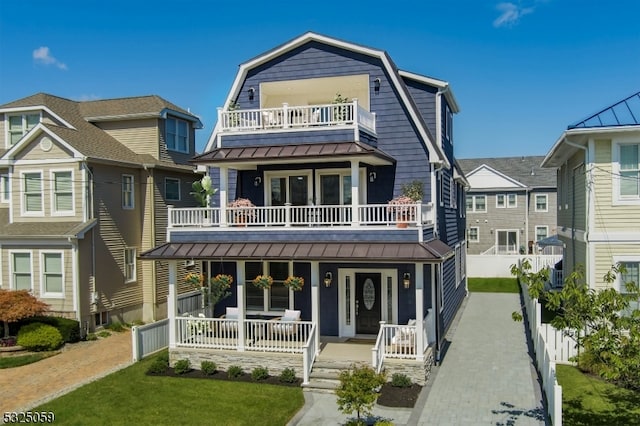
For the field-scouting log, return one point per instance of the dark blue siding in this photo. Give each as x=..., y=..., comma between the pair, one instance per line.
x=424, y=97
x=302, y=299
x=287, y=137
x=452, y=296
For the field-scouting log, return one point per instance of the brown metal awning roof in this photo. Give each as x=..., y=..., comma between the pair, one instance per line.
x=334, y=151
x=431, y=252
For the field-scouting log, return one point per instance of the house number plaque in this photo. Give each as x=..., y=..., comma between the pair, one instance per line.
x=368, y=294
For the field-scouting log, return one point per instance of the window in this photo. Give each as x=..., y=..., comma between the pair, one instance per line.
x=474, y=234
x=32, y=193
x=631, y=274
x=477, y=203
x=458, y=251
x=52, y=274
x=500, y=201
x=441, y=195
x=507, y=241
x=21, y=271
x=453, y=195
x=448, y=124
x=129, y=265
x=541, y=202
x=177, y=135
x=19, y=125
x=5, y=187
x=127, y=192
x=172, y=189
x=62, y=192
x=512, y=201
x=276, y=298
x=629, y=171
x=542, y=232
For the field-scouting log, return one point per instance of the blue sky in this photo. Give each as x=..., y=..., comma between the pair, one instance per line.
x=521, y=70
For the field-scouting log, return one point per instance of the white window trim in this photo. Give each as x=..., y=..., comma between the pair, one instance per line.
x=474, y=204
x=5, y=185
x=546, y=228
x=166, y=130
x=7, y=134
x=23, y=199
x=517, y=232
x=266, y=293
x=546, y=202
x=504, y=201
x=166, y=179
x=616, y=198
x=622, y=259
x=477, y=240
x=287, y=174
x=43, y=292
x=55, y=212
x=362, y=189
x=515, y=204
x=441, y=186
x=12, y=284
x=458, y=266
x=133, y=192
x=453, y=196
x=135, y=265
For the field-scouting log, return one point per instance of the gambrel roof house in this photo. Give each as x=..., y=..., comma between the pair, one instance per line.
x=319, y=134
x=510, y=205
x=597, y=161
x=83, y=190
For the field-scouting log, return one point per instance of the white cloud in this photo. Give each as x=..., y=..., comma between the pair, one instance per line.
x=510, y=14
x=86, y=97
x=43, y=56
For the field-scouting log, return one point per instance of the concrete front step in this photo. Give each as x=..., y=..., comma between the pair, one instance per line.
x=324, y=386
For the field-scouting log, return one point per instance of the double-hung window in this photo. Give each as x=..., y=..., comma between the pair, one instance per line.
x=32, y=193
x=52, y=280
x=177, y=135
x=21, y=271
x=127, y=192
x=20, y=124
x=629, y=187
x=542, y=232
x=172, y=189
x=62, y=192
x=500, y=201
x=630, y=274
x=477, y=203
x=512, y=200
x=129, y=264
x=542, y=202
x=278, y=296
x=473, y=234
x=5, y=185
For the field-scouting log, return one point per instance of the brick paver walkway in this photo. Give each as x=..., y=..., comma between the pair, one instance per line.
x=23, y=388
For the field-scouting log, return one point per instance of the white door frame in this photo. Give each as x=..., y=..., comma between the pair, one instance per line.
x=388, y=277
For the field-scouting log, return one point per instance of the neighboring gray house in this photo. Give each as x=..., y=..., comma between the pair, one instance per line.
x=511, y=204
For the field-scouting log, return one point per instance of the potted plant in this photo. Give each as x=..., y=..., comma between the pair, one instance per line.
x=219, y=287
x=341, y=112
x=263, y=281
x=203, y=190
x=243, y=210
x=403, y=205
x=294, y=283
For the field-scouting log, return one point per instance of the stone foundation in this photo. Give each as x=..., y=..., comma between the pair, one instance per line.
x=275, y=362
x=417, y=371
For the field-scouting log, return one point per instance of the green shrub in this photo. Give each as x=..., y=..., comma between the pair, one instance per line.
x=158, y=366
x=288, y=375
x=208, y=367
x=103, y=334
x=182, y=366
x=260, y=373
x=68, y=328
x=234, y=371
x=39, y=337
x=92, y=336
x=163, y=356
x=400, y=380
x=115, y=326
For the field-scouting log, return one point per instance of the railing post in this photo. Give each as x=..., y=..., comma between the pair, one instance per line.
x=220, y=119
x=285, y=115
x=287, y=214
x=134, y=343
x=170, y=216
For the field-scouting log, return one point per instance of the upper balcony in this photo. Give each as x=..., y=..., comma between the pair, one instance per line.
x=302, y=117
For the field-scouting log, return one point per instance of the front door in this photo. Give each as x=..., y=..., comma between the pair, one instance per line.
x=368, y=303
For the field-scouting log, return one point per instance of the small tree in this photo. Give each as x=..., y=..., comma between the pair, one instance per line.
x=19, y=304
x=358, y=390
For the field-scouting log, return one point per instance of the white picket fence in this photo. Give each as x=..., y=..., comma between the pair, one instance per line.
x=149, y=338
x=547, y=354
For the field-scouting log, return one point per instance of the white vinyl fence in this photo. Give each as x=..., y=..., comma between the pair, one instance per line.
x=499, y=265
x=149, y=338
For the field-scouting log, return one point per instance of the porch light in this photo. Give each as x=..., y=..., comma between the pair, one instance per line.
x=372, y=176
x=257, y=181
x=376, y=84
x=406, y=280
x=251, y=92
x=328, y=277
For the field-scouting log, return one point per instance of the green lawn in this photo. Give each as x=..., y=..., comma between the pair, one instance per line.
x=588, y=400
x=129, y=397
x=18, y=360
x=493, y=285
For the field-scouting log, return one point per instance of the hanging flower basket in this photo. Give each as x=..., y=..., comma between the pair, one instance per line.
x=294, y=283
x=222, y=281
x=263, y=281
x=194, y=279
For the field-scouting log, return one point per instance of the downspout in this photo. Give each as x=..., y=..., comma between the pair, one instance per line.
x=151, y=188
x=573, y=209
x=75, y=276
x=90, y=214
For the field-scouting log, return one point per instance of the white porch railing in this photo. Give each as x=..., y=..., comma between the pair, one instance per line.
x=309, y=352
x=288, y=215
x=296, y=117
x=260, y=335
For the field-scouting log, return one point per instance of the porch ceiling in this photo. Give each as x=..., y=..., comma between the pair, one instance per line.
x=431, y=252
x=286, y=154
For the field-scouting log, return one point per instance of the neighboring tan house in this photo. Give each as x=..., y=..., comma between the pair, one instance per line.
x=84, y=188
x=320, y=134
x=598, y=169
x=511, y=204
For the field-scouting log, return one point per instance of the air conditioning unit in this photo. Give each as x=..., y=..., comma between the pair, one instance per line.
x=189, y=264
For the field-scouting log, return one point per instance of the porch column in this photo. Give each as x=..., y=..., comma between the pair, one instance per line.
x=419, y=312
x=240, y=303
x=355, y=193
x=315, y=301
x=172, y=305
x=224, y=188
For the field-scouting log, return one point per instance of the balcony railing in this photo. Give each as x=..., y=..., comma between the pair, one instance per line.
x=289, y=216
x=297, y=117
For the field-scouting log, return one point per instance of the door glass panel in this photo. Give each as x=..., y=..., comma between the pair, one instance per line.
x=348, y=300
x=278, y=191
x=330, y=190
x=346, y=190
x=298, y=186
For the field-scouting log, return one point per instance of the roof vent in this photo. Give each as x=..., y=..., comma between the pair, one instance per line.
x=533, y=173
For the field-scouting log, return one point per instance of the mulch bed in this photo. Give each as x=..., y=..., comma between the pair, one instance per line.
x=222, y=375
x=391, y=396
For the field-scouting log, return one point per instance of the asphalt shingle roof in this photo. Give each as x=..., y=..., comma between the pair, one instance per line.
x=525, y=170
